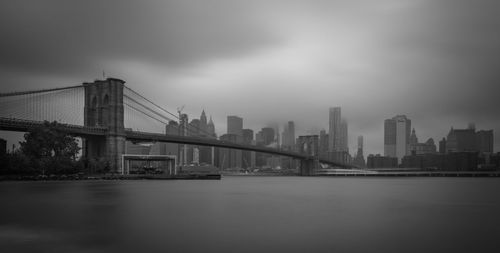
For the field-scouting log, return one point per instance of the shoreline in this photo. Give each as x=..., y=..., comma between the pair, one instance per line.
x=109, y=177
x=399, y=174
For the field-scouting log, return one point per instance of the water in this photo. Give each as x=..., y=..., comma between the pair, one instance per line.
x=252, y=214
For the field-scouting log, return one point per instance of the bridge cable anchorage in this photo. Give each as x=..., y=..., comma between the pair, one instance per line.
x=165, y=110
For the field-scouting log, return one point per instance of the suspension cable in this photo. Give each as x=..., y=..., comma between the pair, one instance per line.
x=139, y=110
x=17, y=93
x=161, y=108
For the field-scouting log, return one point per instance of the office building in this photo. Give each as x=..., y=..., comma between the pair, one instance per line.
x=268, y=136
x=230, y=158
x=183, y=131
x=397, y=136
x=323, y=144
x=417, y=148
x=265, y=137
x=334, y=129
x=344, y=140
x=211, y=128
x=484, y=141
x=468, y=140
x=248, y=157
x=359, y=159
x=288, y=136
x=442, y=146
x=234, y=125
x=378, y=161
x=461, y=140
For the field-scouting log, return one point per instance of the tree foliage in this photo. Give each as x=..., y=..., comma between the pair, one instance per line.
x=48, y=142
x=49, y=150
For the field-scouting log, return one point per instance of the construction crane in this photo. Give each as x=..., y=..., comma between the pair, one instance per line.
x=179, y=110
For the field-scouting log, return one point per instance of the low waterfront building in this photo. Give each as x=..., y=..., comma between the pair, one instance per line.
x=453, y=161
x=378, y=161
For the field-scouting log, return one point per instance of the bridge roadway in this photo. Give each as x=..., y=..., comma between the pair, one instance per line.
x=20, y=125
x=190, y=140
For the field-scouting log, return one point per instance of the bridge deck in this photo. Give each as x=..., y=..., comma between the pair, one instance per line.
x=141, y=136
x=20, y=125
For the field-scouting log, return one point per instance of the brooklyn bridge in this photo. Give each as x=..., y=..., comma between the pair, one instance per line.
x=107, y=113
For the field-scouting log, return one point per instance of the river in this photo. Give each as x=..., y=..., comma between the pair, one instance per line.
x=252, y=214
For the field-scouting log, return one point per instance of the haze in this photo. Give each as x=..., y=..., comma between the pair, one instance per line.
x=272, y=61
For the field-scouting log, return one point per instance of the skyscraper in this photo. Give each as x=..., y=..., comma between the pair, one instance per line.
x=334, y=129
x=203, y=121
x=230, y=158
x=265, y=137
x=397, y=136
x=359, y=160
x=288, y=136
x=211, y=128
x=172, y=129
x=267, y=134
x=206, y=130
x=211, y=132
x=183, y=131
x=323, y=144
x=248, y=157
x=344, y=141
x=234, y=125
x=360, y=145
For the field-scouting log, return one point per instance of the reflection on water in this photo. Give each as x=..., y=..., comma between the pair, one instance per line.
x=252, y=214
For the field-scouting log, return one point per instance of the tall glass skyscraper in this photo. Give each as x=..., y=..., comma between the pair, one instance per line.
x=334, y=130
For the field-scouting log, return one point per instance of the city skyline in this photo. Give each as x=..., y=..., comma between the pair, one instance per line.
x=249, y=126
x=275, y=61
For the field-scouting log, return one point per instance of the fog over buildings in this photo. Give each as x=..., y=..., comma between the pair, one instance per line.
x=270, y=62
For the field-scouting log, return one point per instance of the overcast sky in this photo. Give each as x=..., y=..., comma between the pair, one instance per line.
x=267, y=61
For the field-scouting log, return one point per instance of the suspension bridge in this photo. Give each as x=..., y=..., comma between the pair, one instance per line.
x=107, y=113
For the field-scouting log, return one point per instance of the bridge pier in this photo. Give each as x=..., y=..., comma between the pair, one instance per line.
x=104, y=107
x=308, y=167
x=309, y=145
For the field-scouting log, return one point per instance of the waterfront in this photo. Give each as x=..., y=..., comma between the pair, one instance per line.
x=252, y=214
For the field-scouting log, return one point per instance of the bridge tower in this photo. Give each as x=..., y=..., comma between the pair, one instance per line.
x=104, y=108
x=309, y=145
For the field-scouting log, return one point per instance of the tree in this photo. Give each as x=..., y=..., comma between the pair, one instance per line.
x=50, y=150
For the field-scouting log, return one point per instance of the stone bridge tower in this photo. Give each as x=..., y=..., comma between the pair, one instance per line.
x=309, y=145
x=104, y=108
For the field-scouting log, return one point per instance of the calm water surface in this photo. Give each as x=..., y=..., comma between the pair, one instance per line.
x=252, y=214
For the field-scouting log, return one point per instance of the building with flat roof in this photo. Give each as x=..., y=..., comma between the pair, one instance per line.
x=334, y=130
x=378, y=161
x=230, y=158
x=234, y=125
x=397, y=136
